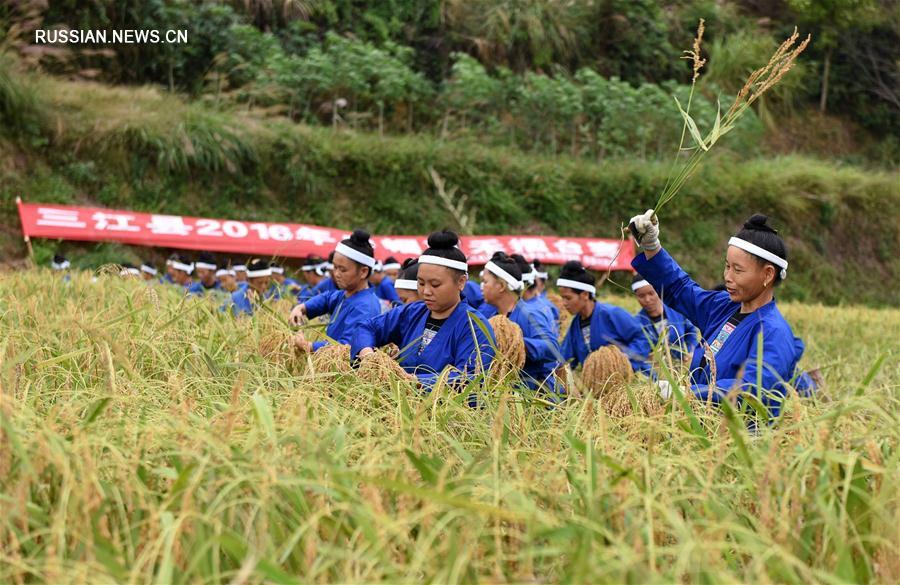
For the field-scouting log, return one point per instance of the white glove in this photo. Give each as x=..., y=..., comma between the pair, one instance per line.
x=645, y=229
x=665, y=389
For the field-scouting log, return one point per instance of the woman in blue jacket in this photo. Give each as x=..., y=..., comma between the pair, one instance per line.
x=352, y=304
x=595, y=324
x=748, y=345
x=502, y=288
x=440, y=332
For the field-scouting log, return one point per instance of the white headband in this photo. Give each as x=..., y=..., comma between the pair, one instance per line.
x=406, y=284
x=529, y=278
x=329, y=266
x=392, y=266
x=437, y=260
x=576, y=285
x=130, y=272
x=205, y=265
x=309, y=267
x=379, y=267
x=148, y=269
x=239, y=268
x=503, y=275
x=764, y=254
x=259, y=273
x=224, y=272
x=169, y=262
x=639, y=284
x=60, y=266
x=182, y=267
x=543, y=275
x=355, y=255
x=277, y=270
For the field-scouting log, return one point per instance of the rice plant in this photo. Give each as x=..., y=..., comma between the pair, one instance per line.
x=757, y=84
x=144, y=438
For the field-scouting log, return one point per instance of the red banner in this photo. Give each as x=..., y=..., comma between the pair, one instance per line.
x=291, y=240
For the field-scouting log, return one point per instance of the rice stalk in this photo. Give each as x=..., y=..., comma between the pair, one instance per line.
x=756, y=85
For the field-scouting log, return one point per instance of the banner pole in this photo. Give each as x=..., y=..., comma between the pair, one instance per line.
x=24, y=235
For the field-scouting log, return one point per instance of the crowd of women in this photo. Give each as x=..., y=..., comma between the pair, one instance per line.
x=735, y=339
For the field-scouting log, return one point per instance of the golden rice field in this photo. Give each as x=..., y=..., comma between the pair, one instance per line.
x=147, y=438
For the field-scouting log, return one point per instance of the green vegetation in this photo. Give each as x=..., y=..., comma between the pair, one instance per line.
x=145, y=149
x=146, y=439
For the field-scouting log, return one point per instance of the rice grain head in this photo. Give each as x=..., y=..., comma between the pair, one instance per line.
x=510, y=355
x=380, y=368
x=606, y=371
x=332, y=358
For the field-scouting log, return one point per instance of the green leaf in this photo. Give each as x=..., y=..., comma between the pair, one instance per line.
x=263, y=413
x=691, y=125
x=95, y=409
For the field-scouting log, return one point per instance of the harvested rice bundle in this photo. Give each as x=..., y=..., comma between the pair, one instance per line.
x=510, y=355
x=606, y=371
x=380, y=368
x=333, y=358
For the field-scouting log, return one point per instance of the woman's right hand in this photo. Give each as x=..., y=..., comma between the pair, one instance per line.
x=298, y=315
x=645, y=229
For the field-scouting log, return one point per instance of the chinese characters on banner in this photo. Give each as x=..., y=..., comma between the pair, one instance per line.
x=290, y=240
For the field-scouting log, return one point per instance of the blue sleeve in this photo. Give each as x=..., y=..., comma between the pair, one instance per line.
x=353, y=320
x=540, y=343
x=473, y=356
x=775, y=359
x=377, y=331
x=678, y=289
x=318, y=305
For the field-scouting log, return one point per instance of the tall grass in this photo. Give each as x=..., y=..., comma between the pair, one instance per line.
x=145, y=440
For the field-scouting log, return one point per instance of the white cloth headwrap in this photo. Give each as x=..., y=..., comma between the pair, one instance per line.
x=576, y=285
x=437, y=260
x=148, y=269
x=355, y=255
x=239, y=268
x=543, y=275
x=259, y=273
x=530, y=277
x=406, y=284
x=277, y=270
x=182, y=267
x=639, y=284
x=223, y=272
x=762, y=253
x=205, y=265
x=60, y=265
x=509, y=279
x=392, y=266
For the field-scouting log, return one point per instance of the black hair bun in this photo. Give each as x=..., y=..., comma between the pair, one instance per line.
x=360, y=237
x=759, y=222
x=536, y=263
x=444, y=240
x=408, y=262
x=571, y=268
x=501, y=257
